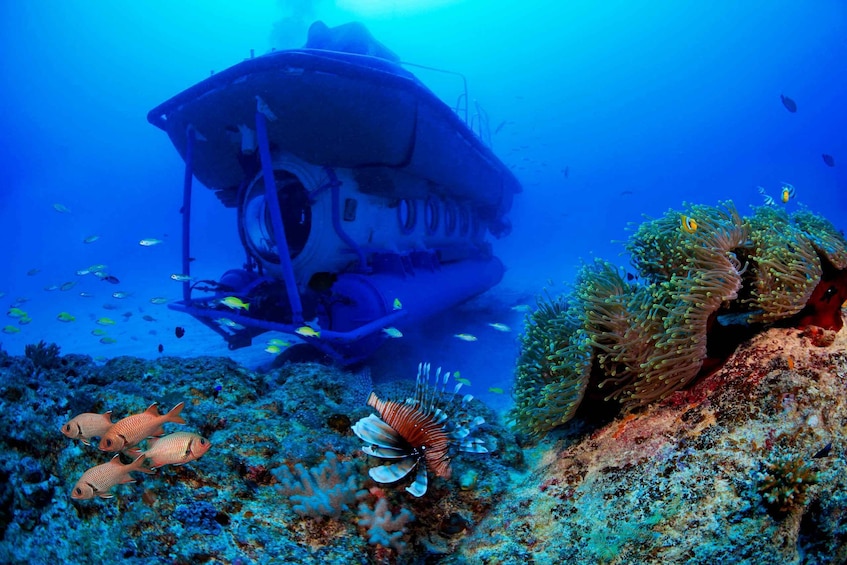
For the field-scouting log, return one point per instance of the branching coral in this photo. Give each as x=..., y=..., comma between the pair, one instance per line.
x=326, y=490
x=43, y=356
x=640, y=342
x=383, y=527
x=784, y=483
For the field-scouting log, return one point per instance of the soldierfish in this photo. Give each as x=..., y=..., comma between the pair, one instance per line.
x=176, y=449
x=86, y=426
x=132, y=429
x=99, y=480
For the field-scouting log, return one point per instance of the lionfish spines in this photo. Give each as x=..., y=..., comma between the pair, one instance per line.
x=418, y=433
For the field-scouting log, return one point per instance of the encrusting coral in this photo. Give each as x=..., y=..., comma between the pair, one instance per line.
x=701, y=273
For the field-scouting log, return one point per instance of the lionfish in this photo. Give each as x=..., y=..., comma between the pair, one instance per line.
x=419, y=433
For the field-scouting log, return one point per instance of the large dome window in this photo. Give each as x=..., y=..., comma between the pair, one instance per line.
x=257, y=221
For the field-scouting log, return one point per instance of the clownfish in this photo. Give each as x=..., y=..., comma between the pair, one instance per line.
x=687, y=224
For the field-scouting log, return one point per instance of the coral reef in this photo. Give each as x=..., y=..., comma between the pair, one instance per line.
x=43, y=356
x=683, y=479
x=703, y=288
x=223, y=507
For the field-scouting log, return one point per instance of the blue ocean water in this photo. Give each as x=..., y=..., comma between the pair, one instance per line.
x=604, y=112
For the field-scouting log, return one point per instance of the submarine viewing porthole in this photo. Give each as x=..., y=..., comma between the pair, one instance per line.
x=257, y=221
x=431, y=215
x=464, y=221
x=449, y=218
x=407, y=215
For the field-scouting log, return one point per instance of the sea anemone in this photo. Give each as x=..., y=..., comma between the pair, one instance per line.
x=700, y=271
x=419, y=433
x=553, y=368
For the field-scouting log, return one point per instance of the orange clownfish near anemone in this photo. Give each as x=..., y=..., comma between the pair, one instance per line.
x=687, y=224
x=419, y=433
x=788, y=192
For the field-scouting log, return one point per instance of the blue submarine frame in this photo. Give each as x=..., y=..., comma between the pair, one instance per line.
x=363, y=200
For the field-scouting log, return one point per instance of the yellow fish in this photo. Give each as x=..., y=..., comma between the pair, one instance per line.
x=465, y=337
x=68, y=285
x=306, y=331
x=279, y=343
x=10, y=330
x=158, y=300
x=274, y=349
x=392, y=332
x=463, y=381
x=105, y=321
x=687, y=224
x=229, y=323
x=98, y=332
x=496, y=390
x=500, y=327
x=107, y=340
x=397, y=304
x=15, y=313
x=65, y=317
x=23, y=320
x=788, y=191
x=235, y=303
x=150, y=242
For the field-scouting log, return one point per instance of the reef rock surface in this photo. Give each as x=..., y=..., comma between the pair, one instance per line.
x=747, y=465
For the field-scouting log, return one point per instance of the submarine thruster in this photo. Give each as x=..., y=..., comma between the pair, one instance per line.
x=363, y=201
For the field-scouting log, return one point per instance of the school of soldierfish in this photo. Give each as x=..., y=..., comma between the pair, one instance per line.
x=126, y=436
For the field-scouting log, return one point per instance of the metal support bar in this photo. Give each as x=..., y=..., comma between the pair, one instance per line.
x=186, y=210
x=272, y=200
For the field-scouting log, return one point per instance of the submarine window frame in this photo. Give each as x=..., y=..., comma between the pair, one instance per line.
x=257, y=222
x=464, y=221
x=431, y=215
x=407, y=215
x=450, y=220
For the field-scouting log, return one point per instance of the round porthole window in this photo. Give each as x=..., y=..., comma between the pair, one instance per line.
x=464, y=221
x=407, y=215
x=257, y=219
x=449, y=218
x=431, y=215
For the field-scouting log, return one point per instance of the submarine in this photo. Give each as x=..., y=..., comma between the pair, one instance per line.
x=364, y=202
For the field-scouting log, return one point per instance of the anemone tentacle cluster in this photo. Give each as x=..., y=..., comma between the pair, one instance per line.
x=636, y=341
